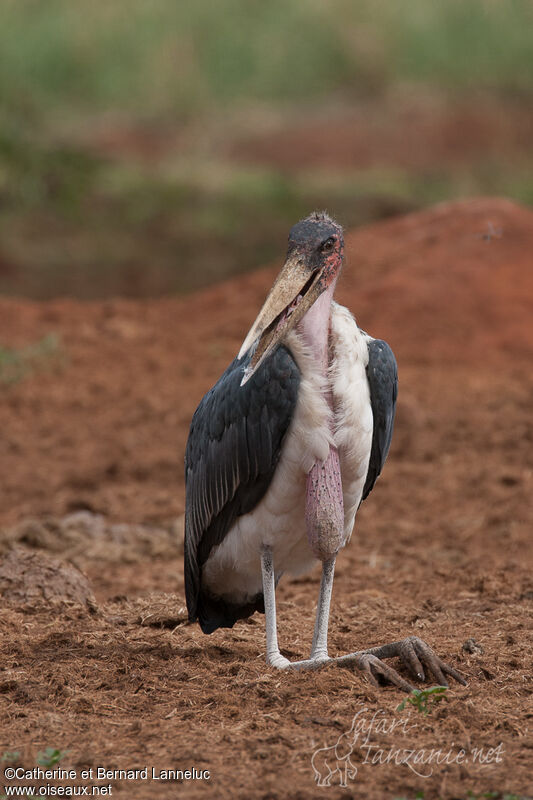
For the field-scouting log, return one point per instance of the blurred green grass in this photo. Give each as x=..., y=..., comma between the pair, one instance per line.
x=154, y=57
x=77, y=219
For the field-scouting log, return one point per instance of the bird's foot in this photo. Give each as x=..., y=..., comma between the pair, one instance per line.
x=417, y=656
x=280, y=662
x=366, y=662
x=315, y=662
x=375, y=670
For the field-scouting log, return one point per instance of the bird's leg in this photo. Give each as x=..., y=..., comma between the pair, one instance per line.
x=319, y=649
x=273, y=656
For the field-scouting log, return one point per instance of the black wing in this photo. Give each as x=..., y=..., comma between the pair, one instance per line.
x=382, y=374
x=233, y=448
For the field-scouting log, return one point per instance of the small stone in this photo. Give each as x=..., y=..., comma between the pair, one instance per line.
x=471, y=646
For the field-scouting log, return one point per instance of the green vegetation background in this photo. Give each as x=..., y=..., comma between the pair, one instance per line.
x=168, y=85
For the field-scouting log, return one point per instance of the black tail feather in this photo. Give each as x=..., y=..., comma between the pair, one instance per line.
x=215, y=612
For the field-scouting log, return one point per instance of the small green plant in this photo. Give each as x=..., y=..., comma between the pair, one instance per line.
x=50, y=757
x=10, y=757
x=424, y=699
x=46, y=758
x=17, y=363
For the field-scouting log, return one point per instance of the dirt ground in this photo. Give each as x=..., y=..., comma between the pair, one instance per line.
x=91, y=458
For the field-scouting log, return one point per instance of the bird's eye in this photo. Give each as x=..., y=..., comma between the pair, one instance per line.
x=327, y=245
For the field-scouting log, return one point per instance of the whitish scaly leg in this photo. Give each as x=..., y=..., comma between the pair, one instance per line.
x=273, y=656
x=319, y=651
x=319, y=648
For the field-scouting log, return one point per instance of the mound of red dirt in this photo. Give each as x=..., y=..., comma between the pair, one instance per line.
x=454, y=283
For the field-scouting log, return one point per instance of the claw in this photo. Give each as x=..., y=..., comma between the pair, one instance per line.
x=417, y=655
x=420, y=650
x=409, y=657
x=372, y=666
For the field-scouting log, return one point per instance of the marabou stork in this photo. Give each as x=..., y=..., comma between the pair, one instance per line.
x=283, y=450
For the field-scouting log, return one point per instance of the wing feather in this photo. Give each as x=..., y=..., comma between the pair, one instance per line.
x=382, y=374
x=233, y=448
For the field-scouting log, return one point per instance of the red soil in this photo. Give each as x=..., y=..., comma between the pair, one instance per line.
x=440, y=548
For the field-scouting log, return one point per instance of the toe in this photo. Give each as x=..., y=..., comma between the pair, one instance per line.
x=373, y=667
x=454, y=674
x=409, y=657
x=433, y=663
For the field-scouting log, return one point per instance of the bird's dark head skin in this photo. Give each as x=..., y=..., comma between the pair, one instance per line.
x=313, y=262
x=319, y=241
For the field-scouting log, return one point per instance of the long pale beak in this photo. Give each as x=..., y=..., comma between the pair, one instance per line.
x=292, y=295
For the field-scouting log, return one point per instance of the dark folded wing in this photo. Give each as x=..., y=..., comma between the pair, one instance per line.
x=233, y=448
x=382, y=374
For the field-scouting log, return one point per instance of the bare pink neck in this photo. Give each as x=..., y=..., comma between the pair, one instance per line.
x=315, y=326
x=324, y=505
